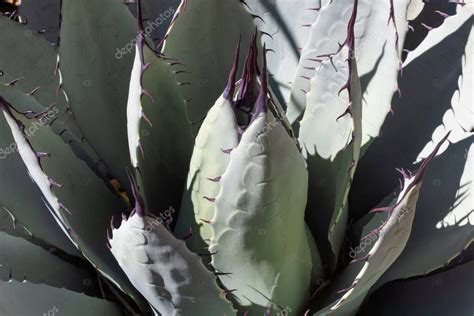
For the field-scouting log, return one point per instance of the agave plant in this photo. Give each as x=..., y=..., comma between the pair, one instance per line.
x=231, y=157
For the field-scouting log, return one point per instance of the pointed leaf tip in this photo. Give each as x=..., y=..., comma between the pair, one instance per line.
x=248, y=82
x=229, y=90
x=421, y=171
x=262, y=97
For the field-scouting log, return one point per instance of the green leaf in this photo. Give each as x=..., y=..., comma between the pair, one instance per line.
x=378, y=54
x=78, y=200
x=259, y=215
x=457, y=119
x=334, y=107
x=169, y=276
x=218, y=132
x=95, y=60
x=203, y=39
x=376, y=50
x=38, y=61
x=34, y=85
x=444, y=293
x=284, y=36
x=428, y=85
x=24, y=298
x=425, y=17
x=387, y=242
x=159, y=135
x=20, y=196
x=21, y=260
x=157, y=16
x=450, y=25
x=23, y=101
x=444, y=217
x=42, y=17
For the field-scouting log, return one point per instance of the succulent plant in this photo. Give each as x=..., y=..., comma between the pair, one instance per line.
x=231, y=157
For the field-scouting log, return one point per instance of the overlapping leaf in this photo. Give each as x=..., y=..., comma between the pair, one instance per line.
x=95, y=59
x=334, y=107
x=159, y=135
x=45, y=300
x=169, y=276
x=78, y=200
x=428, y=87
x=30, y=210
x=21, y=260
x=260, y=216
x=284, y=36
x=379, y=34
x=203, y=39
x=392, y=236
x=444, y=219
x=218, y=133
x=35, y=85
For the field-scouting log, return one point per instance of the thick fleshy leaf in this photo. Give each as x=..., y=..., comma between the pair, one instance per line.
x=157, y=16
x=24, y=102
x=427, y=85
x=203, y=39
x=391, y=237
x=10, y=226
x=159, y=135
x=20, y=260
x=435, y=36
x=22, y=199
x=424, y=17
x=218, y=132
x=96, y=55
x=35, y=77
x=42, y=16
x=170, y=277
x=259, y=215
x=79, y=201
x=453, y=231
x=38, y=62
x=34, y=85
x=460, y=117
x=445, y=216
x=378, y=55
x=414, y=9
x=376, y=52
x=284, y=36
x=334, y=107
x=24, y=298
x=444, y=219
x=58, y=118
x=445, y=293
